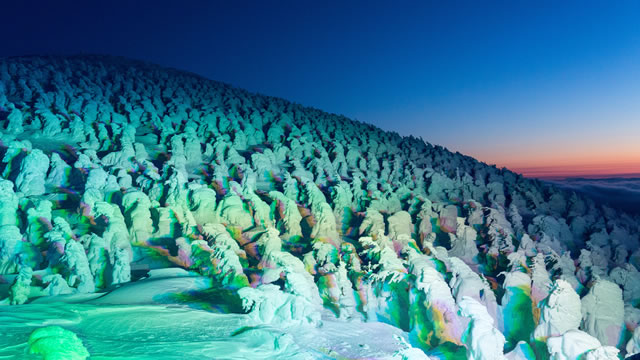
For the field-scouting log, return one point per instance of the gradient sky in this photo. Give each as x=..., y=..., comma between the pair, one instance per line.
x=542, y=87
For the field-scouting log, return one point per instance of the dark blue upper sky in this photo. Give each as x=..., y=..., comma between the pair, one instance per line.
x=517, y=83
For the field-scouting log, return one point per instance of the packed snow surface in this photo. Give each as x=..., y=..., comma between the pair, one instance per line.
x=185, y=321
x=148, y=213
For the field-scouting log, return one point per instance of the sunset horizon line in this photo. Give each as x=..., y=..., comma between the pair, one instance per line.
x=577, y=171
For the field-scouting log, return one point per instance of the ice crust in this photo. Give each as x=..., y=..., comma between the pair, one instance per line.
x=112, y=166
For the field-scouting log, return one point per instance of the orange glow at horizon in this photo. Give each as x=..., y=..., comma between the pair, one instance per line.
x=563, y=162
x=592, y=171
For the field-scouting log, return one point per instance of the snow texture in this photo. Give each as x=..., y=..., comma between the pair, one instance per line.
x=297, y=218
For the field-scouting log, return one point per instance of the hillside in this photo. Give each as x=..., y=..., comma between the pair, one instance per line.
x=288, y=216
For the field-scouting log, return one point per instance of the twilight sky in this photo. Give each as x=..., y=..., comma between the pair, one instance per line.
x=542, y=87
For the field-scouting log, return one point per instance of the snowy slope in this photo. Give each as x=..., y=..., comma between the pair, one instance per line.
x=305, y=234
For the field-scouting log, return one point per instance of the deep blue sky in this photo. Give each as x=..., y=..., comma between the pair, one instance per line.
x=517, y=83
